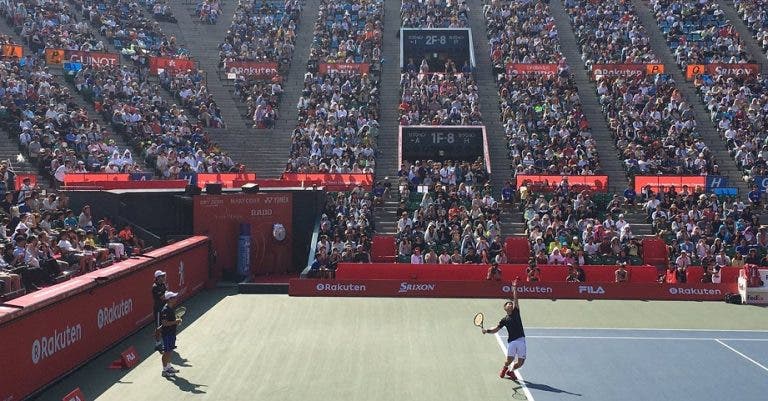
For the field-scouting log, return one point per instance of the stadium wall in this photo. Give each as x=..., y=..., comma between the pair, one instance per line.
x=51, y=332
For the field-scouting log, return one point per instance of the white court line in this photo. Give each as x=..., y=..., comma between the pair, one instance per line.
x=521, y=380
x=742, y=355
x=644, y=329
x=646, y=338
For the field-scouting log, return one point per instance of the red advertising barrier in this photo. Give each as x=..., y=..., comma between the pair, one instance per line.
x=491, y=289
x=534, y=69
x=100, y=59
x=172, y=65
x=252, y=69
x=597, y=183
x=21, y=177
x=227, y=180
x=275, y=183
x=518, y=249
x=626, y=70
x=219, y=217
x=52, y=331
x=79, y=178
x=334, y=182
x=344, y=68
x=694, y=182
x=655, y=251
x=109, y=185
x=383, y=249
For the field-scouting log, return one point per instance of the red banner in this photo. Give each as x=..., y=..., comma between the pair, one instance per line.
x=54, y=56
x=733, y=69
x=344, y=68
x=692, y=70
x=54, y=330
x=626, y=70
x=252, y=69
x=109, y=185
x=219, y=217
x=11, y=51
x=22, y=176
x=536, y=69
x=547, y=183
x=95, y=58
x=489, y=289
x=334, y=182
x=172, y=65
x=227, y=180
x=694, y=182
x=79, y=178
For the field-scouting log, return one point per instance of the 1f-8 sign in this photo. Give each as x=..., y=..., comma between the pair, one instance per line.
x=440, y=143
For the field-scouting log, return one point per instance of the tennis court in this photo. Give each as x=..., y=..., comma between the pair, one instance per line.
x=273, y=347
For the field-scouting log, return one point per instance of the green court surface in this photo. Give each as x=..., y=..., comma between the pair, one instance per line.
x=273, y=347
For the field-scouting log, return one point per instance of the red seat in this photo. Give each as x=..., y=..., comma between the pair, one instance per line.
x=383, y=249
x=654, y=252
x=518, y=249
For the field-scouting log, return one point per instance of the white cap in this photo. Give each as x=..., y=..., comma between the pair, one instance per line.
x=159, y=273
x=170, y=294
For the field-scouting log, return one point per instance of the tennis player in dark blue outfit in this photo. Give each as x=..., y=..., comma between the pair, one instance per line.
x=168, y=324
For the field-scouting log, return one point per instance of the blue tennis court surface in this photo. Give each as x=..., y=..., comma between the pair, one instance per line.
x=639, y=364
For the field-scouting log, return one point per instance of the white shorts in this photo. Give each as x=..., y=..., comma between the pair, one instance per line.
x=516, y=348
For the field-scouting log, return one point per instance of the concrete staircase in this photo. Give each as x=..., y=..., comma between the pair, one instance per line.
x=707, y=130
x=489, y=99
x=606, y=148
x=389, y=90
x=745, y=33
x=262, y=151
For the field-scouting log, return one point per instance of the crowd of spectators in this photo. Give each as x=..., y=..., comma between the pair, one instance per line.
x=442, y=96
x=160, y=10
x=738, y=106
x=434, y=14
x=574, y=227
x=171, y=142
x=609, y=32
x=521, y=32
x=698, y=32
x=50, y=24
x=43, y=241
x=754, y=13
x=348, y=32
x=545, y=127
x=261, y=31
x=655, y=129
x=345, y=232
x=191, y=88
x=339, y=110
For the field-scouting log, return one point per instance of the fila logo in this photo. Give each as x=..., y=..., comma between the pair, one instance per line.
x=588, y=289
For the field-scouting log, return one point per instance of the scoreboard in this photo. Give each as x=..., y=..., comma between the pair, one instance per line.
x=436, y=45
x=441, y=143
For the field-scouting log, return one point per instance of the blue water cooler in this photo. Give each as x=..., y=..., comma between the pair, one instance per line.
x=244, y=250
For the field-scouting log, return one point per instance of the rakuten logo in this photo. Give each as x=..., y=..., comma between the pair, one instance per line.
x=694, y=291
x=588, y=289
x=109, y=314
x=528, y=289
x=45, y=347
x=408, y=287
x=340, y=287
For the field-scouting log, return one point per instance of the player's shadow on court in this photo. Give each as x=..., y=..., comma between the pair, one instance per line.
x=187, y=386
x=548, y=388
x=179, y=361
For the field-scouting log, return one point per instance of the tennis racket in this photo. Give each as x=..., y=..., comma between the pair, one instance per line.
x=479, y=320
x=180, y=311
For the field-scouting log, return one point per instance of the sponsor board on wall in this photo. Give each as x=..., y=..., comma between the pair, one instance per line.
x=486, y=289
x=54, y=330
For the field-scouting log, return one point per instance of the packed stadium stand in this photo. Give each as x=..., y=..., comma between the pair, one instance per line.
x=591, y=111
